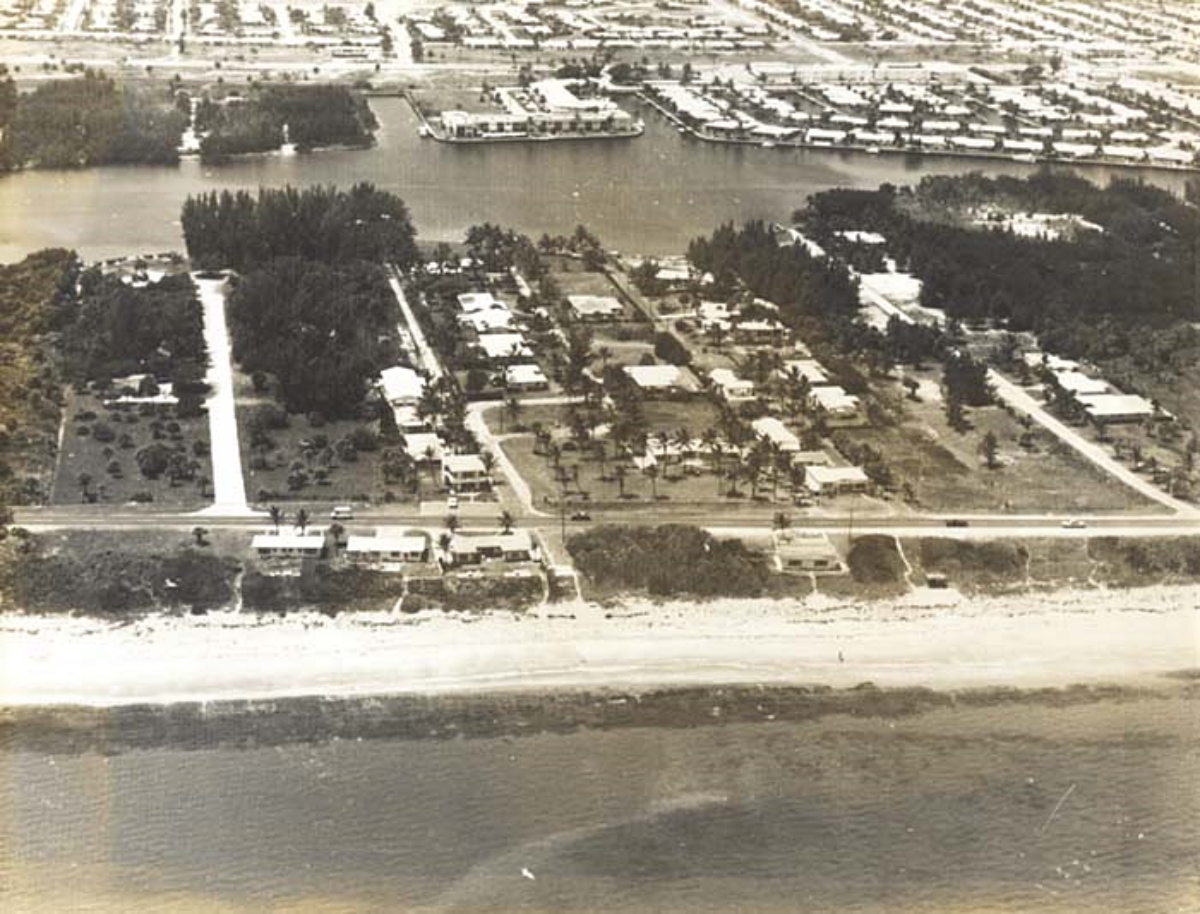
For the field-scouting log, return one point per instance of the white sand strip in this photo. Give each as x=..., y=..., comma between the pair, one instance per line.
x=1025, y=641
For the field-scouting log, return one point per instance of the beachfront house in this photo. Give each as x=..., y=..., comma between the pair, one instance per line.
x=465, y=473
x=386, y=551
x=292, y=544
x=514, y=546
x=805, y=553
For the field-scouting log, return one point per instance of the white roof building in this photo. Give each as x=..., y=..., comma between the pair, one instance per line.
x=525, y=375
x=1117, y=407
x=489, y=321
x=497, y=346
x=834, y=400
x=809, y=369
x=595, y=307
x=777, y=433
x=830, y=480
x=731, y=386
x=290, y=542
x=1080, y=385
x=396, y=548
x=423, y=446
x=401, y=385
x=654, y=377
x=470, y=302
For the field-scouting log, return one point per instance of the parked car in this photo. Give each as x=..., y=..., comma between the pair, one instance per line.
x=957, y=522
x=580, y=515
x=342, y=512
x=1074, y=523
x=452, y=502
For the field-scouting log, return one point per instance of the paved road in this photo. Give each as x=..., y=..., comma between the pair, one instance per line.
x=731, y=523
x=1020, y=400
x=229, y=487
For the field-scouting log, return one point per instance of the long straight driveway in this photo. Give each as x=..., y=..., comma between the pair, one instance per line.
x=229, y=487
x=424, y=350
x=1021, y=401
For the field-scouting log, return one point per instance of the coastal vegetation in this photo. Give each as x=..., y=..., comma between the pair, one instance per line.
x=89, y=120
x=668, y=560
x=36, y=299
x=270, y=115
x=240, y=230
x=1134, y=272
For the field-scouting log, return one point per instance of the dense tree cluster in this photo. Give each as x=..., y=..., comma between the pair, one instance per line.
x=786, y=275
x=91, y=120
x=1139, y=270
x=36, y=296
x=120, y=329
x=241, y=230
x=668, y=560
x=315, y=328
x=314, y=116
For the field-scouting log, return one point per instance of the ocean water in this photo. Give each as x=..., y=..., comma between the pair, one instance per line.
x=1021, y=806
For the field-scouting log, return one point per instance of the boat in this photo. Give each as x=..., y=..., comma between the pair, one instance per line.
x=769, y=144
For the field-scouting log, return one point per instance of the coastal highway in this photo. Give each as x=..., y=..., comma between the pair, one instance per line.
x=727, y=523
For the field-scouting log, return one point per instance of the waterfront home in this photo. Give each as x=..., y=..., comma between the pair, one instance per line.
x=386, y=551
x=525, y=377
x=822, y=480
x=290, y=543
x=465, y=473
x=805, y=552
x=514, y=546
x=595, y=307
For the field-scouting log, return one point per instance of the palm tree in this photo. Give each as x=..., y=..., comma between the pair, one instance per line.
x=620, y=472
x=444, y=542
x=507, y=521
x=338, y=532
x=85, y=482
x=781, y=521
x=488, y=459
x=277, y=516
x=302, y=521
x=651, y=473
x=200, y=536
x=452, y=523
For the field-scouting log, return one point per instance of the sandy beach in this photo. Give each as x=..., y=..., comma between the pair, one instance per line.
x=930, y=639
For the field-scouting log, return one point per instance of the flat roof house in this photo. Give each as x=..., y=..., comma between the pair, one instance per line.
x=515, y=546
x=465, y=472
x=595, y=307
x=809, y=369
x=835, y=403
x=504, y=347
x=835, y=480
x=730, y=386
x=290, y=544
x=525, y=377
x=1105, y=408
x=777, y=433
x=472, y=302
x=385, y=549
x=489, y=321
x=1077, y=384
x=655, y=377
x=423, y=447
x=401, y=385
x=806, y=552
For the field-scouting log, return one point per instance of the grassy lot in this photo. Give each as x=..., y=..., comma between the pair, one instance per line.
x=947, y=473
x=98, y=459
x=328, y=474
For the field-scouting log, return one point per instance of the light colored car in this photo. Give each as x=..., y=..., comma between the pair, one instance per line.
x=342, y=512
x=452, y=502
x=1074, y=523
